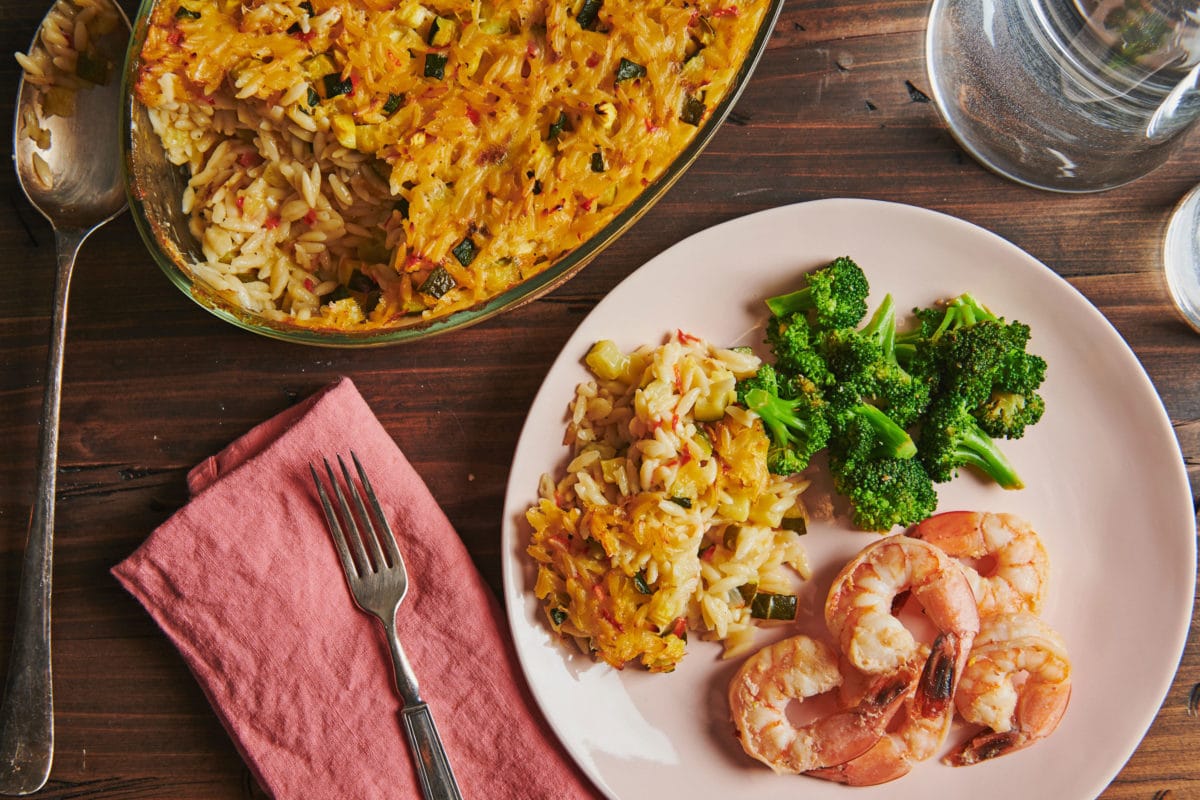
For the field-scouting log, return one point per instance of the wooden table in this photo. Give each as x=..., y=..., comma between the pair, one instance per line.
x=153, y=384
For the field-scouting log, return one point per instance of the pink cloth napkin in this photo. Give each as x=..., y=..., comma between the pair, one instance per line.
x=246, y=583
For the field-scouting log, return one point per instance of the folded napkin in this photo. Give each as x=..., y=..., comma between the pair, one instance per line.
x=246, y=583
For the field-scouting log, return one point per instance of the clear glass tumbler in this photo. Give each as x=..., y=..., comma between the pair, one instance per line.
x=1066, y=95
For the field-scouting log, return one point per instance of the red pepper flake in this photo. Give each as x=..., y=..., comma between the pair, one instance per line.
x=308, y=284
x=532, y=49
x=208, y=98
x=175, y=37
x=707, y=553
x=240, y=202
x=593, y=59
x=679, y=627
x=586, y=204
x=310, y=217
x=473, y=115
x=686, y=338
x=353, y=85
x=650, y=126
x=248, y=159
x=727, y=11
x=272, y=222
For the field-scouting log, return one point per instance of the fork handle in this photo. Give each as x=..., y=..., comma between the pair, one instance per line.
x=433, y=768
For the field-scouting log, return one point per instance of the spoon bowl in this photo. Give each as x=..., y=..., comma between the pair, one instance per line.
x=67, y=153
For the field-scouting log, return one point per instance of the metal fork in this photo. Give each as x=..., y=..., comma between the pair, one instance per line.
x=377, y=578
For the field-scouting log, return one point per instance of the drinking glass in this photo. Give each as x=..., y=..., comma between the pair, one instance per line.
x=1066, y=95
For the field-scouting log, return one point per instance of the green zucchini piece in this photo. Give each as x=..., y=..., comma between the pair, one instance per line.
x=438, y=283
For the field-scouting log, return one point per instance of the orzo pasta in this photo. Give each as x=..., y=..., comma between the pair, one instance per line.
x=356, y=163
x=667, y=518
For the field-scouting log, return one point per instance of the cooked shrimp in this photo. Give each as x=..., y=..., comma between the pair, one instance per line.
x=858, y=609
x=924, y=722
x=1017, y=682
x=1020, y=569
x=795, y=669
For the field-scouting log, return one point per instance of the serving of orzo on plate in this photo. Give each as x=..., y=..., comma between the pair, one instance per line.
x=667, y=518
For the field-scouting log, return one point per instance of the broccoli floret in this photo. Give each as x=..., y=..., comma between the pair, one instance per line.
x=835, y=296
x=1014, y=403
x=793, y=343
x=965, y=349
x=860, y=431
x=866, y=359
x=885, y=492
x=766, y=378
x=951, y=438
x=795, y=421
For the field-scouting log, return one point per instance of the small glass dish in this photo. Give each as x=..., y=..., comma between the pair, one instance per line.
x=1181, y=257
x=156, y=187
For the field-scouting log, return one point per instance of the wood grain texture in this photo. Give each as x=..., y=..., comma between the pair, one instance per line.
x=838, y=107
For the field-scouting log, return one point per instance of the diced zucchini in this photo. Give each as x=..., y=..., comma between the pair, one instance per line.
x=693, y=110
x=183, y=12
x=441, y=32
x=495, y=26
x=598, y=162
x=465, y=251
x=606, y=361
x=435, y=66
x=393, y=103
x=558, y=126
x=318, y=66
x=588, y=12
x=344, y=130
x=334, y=85
x=438, y=283
x=367, y=138
x=765, y=605
x=629, y=70
x=711, y=407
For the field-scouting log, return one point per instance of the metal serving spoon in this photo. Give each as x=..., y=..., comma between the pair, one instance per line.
x=85, y=190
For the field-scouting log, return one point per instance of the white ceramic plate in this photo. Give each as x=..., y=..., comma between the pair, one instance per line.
x=1106, y=488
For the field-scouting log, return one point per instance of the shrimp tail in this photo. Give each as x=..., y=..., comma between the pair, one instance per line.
x=988, y=745
x=939, y=677
x=848, y=734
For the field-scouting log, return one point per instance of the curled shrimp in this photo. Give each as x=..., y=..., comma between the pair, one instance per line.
x=1017, y=683
x=919, y=730
x=798, y=668
x=859, y=607
x=1017, y=577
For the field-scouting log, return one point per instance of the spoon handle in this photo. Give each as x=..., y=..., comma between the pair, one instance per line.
x=27, y=713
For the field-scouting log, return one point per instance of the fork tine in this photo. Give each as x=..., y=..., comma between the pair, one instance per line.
x=369, y=533
x=335, y=527
x=389, y=538
x=355, y=535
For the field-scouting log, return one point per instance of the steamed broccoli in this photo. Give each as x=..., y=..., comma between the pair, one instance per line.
x=861, y=431
x=793, y=415
x=866, y=359
x=951, y=438
x=984, y=356
x=885, y=492
x=835, y=296
x=794, y=343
